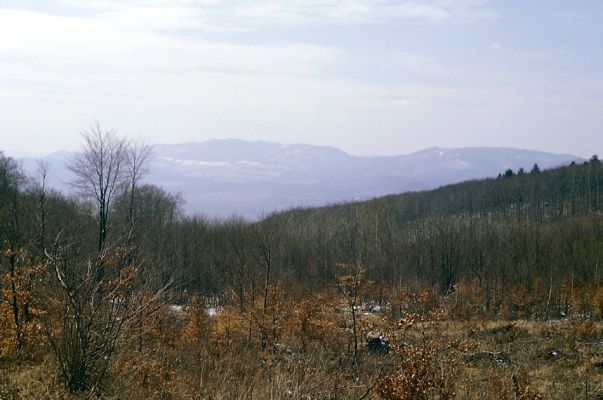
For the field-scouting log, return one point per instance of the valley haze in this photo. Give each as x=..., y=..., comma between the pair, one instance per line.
x=225, y=177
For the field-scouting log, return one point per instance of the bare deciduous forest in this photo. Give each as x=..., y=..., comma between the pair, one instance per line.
x=487, y=289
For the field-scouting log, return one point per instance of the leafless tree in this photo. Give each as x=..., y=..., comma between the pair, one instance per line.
x=100, y=172
x=352, y=286
x=41, y=191
x=94, y=314
x=268, y=238
x=137, y=157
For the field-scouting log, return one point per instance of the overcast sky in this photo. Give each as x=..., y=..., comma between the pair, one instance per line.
x=370, y=77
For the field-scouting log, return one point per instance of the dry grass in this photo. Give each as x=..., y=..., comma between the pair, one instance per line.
x=552, y=358
x=506, y=360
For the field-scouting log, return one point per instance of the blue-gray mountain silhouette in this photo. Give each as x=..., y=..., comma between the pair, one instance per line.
x=226, y=177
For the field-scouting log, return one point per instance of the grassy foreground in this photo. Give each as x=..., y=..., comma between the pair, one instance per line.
x=189, y=355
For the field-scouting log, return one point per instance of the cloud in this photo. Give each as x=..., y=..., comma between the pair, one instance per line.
x=535, y=55
x=90, y=64
x=299, y=12
x=85, y=45
x=496, y=46
x=224, y=68
x=236, y=15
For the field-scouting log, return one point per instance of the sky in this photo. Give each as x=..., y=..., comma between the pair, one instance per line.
x=370, y=77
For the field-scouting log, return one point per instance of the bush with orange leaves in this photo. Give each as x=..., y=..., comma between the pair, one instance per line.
x=315, y=320
x=429, y=362
x=198, y=328
x=152, y=368
x=469, y=299
x=95, y=304
x=597, y=303
x=20, y=305
x=259, y=319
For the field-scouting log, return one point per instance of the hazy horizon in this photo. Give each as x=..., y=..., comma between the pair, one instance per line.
x=367, y=77
x=25, y=154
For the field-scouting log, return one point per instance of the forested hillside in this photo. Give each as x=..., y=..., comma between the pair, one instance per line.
x=537, y=230
x=118, y=283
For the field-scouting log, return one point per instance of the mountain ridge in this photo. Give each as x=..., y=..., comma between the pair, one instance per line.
x=222, y=177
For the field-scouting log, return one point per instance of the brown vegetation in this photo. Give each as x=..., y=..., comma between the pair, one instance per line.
x=190, y=354
x=483, y=290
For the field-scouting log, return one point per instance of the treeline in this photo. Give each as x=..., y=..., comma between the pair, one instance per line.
x=540, y=232
x=526, y=245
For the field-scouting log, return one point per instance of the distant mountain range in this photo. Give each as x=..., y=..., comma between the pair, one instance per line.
x=225, y=177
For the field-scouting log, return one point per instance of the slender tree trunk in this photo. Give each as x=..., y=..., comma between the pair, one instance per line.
x=355, y=332
x=265, y=309
x=548, y=300
x=14, y=302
